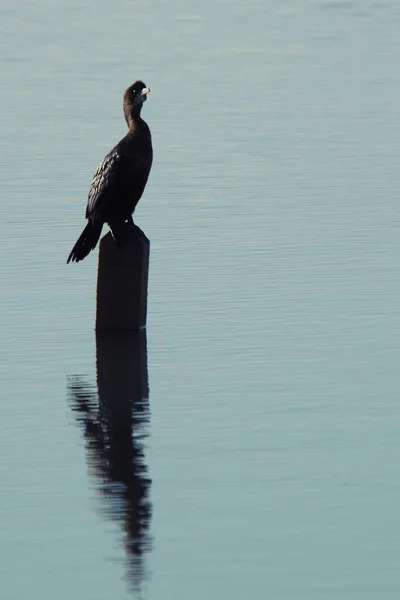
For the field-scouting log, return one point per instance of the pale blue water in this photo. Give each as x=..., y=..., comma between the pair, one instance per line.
x=265, y=462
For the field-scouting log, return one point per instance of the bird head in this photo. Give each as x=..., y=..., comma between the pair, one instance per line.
x=136, y=93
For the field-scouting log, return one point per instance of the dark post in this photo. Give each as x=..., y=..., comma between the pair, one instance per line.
x=122, y=281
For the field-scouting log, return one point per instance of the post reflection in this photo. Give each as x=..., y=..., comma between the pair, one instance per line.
x=114, y=420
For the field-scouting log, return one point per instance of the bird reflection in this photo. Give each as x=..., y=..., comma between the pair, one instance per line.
x=115, y=420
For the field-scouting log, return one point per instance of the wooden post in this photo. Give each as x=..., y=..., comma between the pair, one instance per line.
x=122, y=375
x=122, y=281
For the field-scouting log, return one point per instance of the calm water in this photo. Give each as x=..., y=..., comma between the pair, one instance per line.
x=253, y=449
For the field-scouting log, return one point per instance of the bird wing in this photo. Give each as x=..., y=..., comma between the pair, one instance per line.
x=102, y=185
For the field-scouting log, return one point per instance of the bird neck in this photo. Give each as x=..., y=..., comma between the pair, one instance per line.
x=132, y=115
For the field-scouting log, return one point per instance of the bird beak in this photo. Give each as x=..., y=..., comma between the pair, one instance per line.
x=145, y=91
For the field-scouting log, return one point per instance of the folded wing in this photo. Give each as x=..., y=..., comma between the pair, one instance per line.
x=102, y=187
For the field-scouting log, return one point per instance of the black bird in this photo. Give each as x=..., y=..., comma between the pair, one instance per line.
x=119, y=180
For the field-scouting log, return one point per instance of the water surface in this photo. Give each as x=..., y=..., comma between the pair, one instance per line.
x=263, y=461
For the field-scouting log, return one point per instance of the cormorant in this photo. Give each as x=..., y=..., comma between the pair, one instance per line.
x=119, y=180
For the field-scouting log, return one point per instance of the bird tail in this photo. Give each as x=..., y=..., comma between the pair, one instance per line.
x=86, y=242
